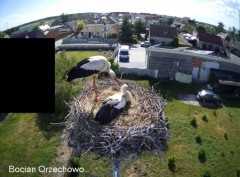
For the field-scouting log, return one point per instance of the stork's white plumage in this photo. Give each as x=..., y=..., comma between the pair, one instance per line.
x=91, y=67
x=113, y=106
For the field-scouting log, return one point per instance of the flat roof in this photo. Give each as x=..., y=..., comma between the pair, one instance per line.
x=226, y=77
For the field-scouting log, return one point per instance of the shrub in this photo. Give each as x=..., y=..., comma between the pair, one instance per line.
x=215, y=113
x=204, y=118
x=194, y=122
x=75, y=162
x=114, y=66
x=207, y=174
x=171, y=164
x=198, y=139
x=202, y=155
x=225, y=136
x=238, y=173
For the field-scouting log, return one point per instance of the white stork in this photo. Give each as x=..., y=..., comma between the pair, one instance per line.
x=113, y=106
x=91, y=67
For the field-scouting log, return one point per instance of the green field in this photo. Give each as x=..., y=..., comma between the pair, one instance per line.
x=24, y=141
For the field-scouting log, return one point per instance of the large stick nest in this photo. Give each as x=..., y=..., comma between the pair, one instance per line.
x=141, y=126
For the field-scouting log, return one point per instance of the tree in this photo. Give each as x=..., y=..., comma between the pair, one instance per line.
x=127, y=30
x=238, y=36
x=2, y=34
x=233, y=32
x=55, y=22
x=140, y=27
x=201, y=28
x=11, y=30
x=170, y=21
x=64, y=18
x=220, y=27
x=80, y=25
x=210, y=30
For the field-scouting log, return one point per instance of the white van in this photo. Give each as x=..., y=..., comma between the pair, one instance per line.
x=124, y=53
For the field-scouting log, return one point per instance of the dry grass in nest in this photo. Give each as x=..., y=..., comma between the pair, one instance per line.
x=141, y=126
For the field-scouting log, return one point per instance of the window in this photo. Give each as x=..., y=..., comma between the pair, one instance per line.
x=165, y=32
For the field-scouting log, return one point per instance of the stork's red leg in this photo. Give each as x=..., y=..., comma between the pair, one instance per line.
x=95, y=88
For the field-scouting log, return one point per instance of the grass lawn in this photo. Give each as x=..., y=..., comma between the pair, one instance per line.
x=222, y=154
x=25, y=142
x=219, y=135
x=22, y=144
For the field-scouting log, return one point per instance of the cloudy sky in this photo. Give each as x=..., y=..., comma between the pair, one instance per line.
x=17, y=12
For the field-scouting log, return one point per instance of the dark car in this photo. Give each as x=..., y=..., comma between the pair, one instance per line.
x=208, y=96
x=145, y=44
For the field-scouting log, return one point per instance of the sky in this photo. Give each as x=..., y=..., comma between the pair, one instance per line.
x=17, y=12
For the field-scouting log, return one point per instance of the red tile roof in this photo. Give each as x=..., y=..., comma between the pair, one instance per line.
x=52, y=34
x=163, y=31
x=213, y=39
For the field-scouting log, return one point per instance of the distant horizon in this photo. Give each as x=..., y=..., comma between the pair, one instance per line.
x=206, y=11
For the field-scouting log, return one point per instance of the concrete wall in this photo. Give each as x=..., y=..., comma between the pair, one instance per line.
x=139, y=72
x=168, y=62
x=161, y=39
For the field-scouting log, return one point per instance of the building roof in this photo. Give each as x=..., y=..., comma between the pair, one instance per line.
x=178, y=25
x=236, y=45
x=162, y=31
x=213, y=39
x=44, y=27
x=224, y=36
x=35, y=34
x=19, y=35
x=226, y=77
x=52, y=34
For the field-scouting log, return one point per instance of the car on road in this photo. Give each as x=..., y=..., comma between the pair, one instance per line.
x=124, y=53
x=208, y=96
x=145, y=44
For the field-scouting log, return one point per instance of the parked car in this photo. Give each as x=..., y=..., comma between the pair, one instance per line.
x=209, y=96
x=124, y=53
x=145, y=44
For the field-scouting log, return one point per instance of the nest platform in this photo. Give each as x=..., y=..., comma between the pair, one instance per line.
x=140, y=127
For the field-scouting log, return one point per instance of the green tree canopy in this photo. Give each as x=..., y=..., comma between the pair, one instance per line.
x=220, y=27
x=170, y=21
x=140, y=27
x=127, y=31
x=64, y=18
x=201, y=28
x=80, y=25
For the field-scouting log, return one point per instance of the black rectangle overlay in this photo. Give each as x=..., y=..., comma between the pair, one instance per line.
x=27, y=75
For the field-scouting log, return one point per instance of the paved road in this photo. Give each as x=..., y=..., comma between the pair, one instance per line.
x=137, y=58
x=58, y=43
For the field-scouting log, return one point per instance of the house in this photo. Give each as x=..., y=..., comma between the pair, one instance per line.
x=31, y=34
x=152, y=20
x=53, y=34
x=236, y=48
x=207, y=41
x=93, y=29
x=70, y=26
x=35, y=34
x=44, y=27
x=162, y=34
x=227, y=42
x=179, y=26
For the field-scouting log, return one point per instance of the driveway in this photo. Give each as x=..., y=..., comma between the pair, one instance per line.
x=137, y=58
x=189, y=99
